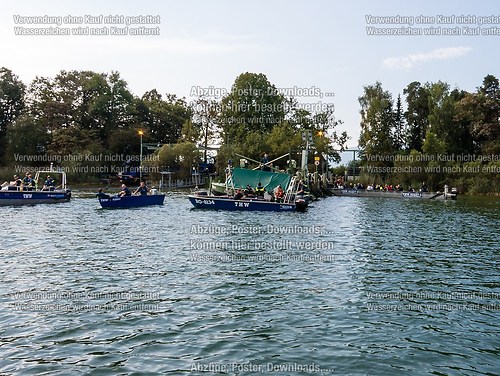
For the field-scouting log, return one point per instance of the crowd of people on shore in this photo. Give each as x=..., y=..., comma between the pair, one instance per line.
x=382, y=187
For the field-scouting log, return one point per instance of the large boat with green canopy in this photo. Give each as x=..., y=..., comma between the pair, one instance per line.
x=240, y=178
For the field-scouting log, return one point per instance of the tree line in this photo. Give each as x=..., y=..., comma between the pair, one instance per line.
x=90, y=113
x=441, y=136
x=426, y=134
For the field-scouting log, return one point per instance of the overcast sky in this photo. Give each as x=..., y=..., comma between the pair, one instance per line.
x=316, y=43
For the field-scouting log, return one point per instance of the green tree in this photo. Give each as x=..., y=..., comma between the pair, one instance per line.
x=165, y=117
x=83, y=99
x=206, y=113
x=180, y=157
x=253, y=105
x=434, y=146
x=377, y=121
x=416, y=115
x=399, y=126
x=482, y=112
x=283, y=138
x=12, y=104
x=25, y=136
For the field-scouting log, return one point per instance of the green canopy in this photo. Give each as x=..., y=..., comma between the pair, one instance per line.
x=269, y=180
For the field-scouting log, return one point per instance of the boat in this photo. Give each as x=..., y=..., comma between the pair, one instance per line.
x=353, y=192
x=291, y=201
x=245, y=204
x=29, y=195
x=133, y=201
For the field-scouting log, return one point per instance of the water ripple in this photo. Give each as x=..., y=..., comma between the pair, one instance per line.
x=373, y=287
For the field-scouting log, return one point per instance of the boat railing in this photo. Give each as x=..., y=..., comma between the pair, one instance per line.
x=291, y=191
x=229, y=181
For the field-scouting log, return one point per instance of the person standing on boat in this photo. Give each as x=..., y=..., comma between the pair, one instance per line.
x=265, y=163
x=124, y=192
x=142, y=190
x=300, y=188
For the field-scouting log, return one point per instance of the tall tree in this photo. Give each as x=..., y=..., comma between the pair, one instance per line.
x=253, y=105
x=416, y=115
x=12, y=103
x=377, y=120
x=205, y=117
x=399, y=126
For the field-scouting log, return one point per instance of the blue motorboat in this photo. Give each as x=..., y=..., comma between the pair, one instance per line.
x=134, y=201
x=21, y=194
x=289, y=201
x=245, y=204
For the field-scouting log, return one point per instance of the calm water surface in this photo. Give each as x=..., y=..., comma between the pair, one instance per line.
x=352, y=286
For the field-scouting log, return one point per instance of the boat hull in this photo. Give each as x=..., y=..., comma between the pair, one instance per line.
x=394, y=194
x=17, y=198
x=226, y=203
x=125, y=202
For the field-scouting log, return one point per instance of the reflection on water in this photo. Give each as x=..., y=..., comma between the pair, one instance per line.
x=354, y=285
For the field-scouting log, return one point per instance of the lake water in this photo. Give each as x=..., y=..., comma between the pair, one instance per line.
x=352, y=286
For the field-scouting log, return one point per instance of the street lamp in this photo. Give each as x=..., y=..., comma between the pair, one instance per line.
x=141, y=133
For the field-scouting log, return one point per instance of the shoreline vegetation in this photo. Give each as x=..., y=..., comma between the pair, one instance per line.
x=87, y=124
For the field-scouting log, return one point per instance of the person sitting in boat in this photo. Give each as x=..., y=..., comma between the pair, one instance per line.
x=49, y=184
x=424, y=187
x=100, y=194
x=142, y=189
x=259, y=190
x=16, y=184
x=249, y=192
x=279, y=193
x=28, y=182
x=124, y=191
x=238, y=195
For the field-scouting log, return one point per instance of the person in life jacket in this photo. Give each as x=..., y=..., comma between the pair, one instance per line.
x=279, y=193
x=259, y=190
x=49, y=184
x=28, y=182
